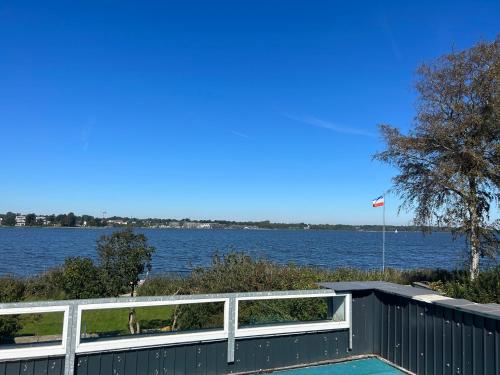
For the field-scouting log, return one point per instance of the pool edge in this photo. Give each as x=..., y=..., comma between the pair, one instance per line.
x=327, y=362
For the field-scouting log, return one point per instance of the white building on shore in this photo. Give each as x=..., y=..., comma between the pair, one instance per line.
x=20, y=220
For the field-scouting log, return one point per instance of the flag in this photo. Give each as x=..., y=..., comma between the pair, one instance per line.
x=378, y=202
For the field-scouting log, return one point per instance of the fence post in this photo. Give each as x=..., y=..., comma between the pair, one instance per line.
x=69, y=359
x=348, y=306
x=231, y=330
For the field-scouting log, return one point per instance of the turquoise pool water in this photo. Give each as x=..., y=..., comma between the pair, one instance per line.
x=371, y=366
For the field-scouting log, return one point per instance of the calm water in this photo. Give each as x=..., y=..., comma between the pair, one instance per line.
x=27, y=251
x=371, y=366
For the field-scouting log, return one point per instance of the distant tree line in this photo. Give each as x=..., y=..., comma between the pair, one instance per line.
x=61, y=220
x=72, y=220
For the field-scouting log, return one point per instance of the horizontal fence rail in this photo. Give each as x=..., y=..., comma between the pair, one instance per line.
x=339, y=317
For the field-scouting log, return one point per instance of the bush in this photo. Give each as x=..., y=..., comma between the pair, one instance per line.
x=9, y=326
x=80, y=278
x=46, y=286
x=484, y=289
x=164, y=285
x=11, y=290
x=238, y=272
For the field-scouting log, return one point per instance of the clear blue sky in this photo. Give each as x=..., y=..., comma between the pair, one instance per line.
x=237, y=110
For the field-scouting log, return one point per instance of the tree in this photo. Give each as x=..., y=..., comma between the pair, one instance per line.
x=81, y=278
x=9, y=219
x=60, y=219
x=124, y=256
x=449, y=163
x=30, y=220
x=69, y=220
x=51, y=219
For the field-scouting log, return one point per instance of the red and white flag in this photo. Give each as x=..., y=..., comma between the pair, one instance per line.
x=379, y=202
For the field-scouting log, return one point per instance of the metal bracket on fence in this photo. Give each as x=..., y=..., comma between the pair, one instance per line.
x=231, y=330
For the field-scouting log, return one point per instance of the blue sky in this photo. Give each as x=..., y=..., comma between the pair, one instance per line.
x=245, y=110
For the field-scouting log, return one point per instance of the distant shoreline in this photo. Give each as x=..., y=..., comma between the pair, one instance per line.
x=344, y=229
x=71, y=220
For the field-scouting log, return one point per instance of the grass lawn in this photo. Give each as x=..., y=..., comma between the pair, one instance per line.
x=115, y=321
x=109, y=321
x=41, y=324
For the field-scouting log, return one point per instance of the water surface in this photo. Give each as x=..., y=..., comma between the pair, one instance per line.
x=27, y=251
x=370, y=366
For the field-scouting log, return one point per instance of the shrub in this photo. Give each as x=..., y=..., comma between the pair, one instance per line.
x=80, y=278
x=484, y=289
x=163, y=285
x=238, y=272
x=11, y=290
x=46, y=286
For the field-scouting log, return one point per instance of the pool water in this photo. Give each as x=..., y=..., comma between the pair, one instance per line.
x=371, y=366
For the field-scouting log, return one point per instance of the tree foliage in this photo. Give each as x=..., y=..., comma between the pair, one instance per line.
x=449, y=163
x=30, y=220
x=81, y=278
x=123, y=257
x=9, y=219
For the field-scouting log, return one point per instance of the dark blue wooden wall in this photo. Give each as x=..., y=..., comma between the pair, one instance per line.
x=45, y=366
x=211, y=358
x=433, y=340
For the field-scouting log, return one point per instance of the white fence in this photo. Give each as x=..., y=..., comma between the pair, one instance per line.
x=339, y=317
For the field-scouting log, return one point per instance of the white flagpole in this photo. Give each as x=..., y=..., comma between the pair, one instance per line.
x=383, y=236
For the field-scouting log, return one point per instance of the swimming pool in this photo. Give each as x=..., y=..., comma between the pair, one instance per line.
x=370, y=366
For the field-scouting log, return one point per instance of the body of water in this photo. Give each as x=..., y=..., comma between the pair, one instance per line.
x=27, y=251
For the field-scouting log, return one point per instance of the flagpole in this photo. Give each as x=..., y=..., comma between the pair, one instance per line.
x=383, y=236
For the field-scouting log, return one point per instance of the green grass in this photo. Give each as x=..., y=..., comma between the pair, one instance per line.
x=109, y=321
x=41, y=324
x=115, y=321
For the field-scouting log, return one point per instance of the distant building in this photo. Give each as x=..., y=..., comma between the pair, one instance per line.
x=196, y=225
x=20, y=220
x=42, y=220
x=117, y=222
x=174, y=224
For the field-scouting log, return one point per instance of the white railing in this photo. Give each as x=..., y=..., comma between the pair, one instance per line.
x=39, y=351
x=339, y=317
x=325, y=325
x=139, y=342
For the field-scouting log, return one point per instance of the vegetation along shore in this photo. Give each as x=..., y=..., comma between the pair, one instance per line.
x=124, y=257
